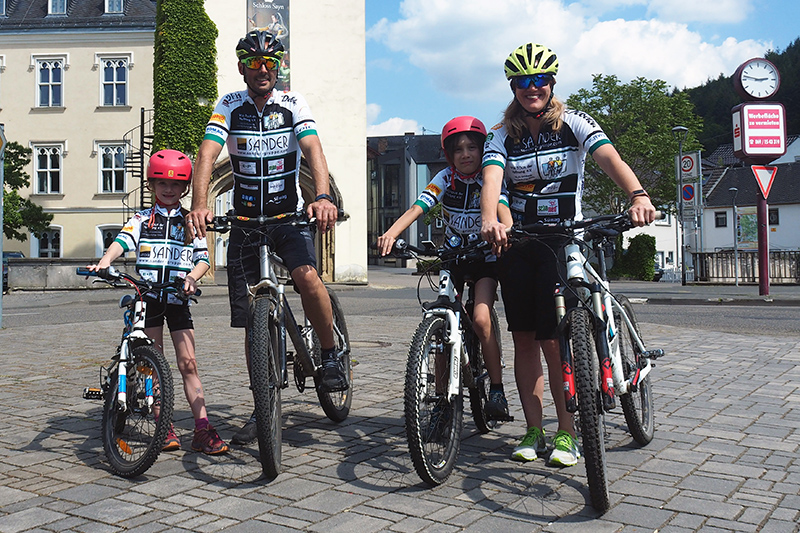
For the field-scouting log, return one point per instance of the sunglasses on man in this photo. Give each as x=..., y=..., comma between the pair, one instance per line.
x=256, y=62
x=537, y=80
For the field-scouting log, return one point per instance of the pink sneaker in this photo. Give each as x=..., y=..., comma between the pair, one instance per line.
x=208, y=441
x=172, y=442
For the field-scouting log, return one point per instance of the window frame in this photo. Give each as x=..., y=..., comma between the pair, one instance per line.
x=51, y=7
x=109, y=11
x=99, y=243
x=100, y=148
x=61, y=148
x=720, y=219
x=100, y=60
x=2, y=8
x=773, y=217
x=35, y=65
x=36, y=243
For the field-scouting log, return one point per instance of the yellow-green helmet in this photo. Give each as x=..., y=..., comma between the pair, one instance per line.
x=530, y=59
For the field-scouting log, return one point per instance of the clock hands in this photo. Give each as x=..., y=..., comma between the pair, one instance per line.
x=754, y=78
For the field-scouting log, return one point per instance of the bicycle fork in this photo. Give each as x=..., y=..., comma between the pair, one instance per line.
x=125, y=358
x=444, y=307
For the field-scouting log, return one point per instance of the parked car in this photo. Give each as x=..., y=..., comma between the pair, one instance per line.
x=658, y=273
x=6, y=255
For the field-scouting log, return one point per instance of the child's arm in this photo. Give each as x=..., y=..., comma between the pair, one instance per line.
x=504, y=215
x=386, y=241
x=114, y=251
x=190, y=281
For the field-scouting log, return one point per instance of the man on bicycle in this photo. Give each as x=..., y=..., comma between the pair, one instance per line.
x=265, y=131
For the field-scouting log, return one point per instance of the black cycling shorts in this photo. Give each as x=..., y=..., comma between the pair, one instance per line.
x=529, y=272
x=293, y=244
x=474, y=271
x=178, y=315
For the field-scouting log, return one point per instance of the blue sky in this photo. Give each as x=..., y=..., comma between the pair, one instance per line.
x=431, y=60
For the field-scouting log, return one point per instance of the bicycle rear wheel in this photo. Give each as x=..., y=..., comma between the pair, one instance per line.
x=433, y=423
x=336, y=405
x=636, y=405
x=479, y=394
x=587, y=385
x=266, y=386
x=134, y=434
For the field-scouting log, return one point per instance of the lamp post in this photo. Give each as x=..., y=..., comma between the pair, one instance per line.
x=735, y=192
x=679, y=134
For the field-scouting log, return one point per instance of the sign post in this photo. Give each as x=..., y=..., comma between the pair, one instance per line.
x=2, y=189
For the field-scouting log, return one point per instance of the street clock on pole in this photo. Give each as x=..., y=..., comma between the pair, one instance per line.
x=757, y=79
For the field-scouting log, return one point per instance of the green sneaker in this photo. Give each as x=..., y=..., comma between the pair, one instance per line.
x=532, y=445
x=566, y=452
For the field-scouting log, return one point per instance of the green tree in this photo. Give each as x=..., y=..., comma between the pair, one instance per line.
x=638, y=117
x=19, y=212
x=184, y=74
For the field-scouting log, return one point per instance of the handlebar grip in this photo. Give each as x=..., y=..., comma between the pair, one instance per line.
x=197, y=292
x=83, y=271
x=660, y=215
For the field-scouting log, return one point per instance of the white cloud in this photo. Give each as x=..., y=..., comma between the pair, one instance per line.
x=717, y=12
x=461, y=44
x=393, y=126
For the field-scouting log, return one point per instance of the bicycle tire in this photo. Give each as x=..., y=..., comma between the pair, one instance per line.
x=479, y=395
x=587, y=385
x=266, y=387
x=637, y=405
x=433, y=424
x=133, y=438
x=336, y=405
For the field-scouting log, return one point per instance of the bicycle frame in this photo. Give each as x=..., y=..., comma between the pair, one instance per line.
x=449, y=307
x=598, y=297
x=133, y=334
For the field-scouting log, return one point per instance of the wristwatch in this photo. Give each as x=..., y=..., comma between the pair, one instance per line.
x=325, y=197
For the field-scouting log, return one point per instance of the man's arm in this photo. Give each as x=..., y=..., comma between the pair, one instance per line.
x=323, y=210
x=200, y=214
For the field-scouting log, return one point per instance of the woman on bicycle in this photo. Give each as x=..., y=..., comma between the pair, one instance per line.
x=539, y=149
x=165, y=251
x=458, y=188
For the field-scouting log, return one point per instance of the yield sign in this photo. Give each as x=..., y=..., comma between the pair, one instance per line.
x=765, y=176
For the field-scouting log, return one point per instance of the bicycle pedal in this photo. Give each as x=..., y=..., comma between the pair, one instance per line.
x=92, y=393
x=653, y=354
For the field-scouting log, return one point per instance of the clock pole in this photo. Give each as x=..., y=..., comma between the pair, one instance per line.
x=759, y=137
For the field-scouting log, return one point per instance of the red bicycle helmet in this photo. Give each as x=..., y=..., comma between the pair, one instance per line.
x=170, y=165
x=463, y=124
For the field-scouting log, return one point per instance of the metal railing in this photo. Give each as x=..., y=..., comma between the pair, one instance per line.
x=139, y=140
x=719, y=267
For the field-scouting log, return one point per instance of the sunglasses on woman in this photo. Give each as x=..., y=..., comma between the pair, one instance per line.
x=256, y=62
x=537, y=80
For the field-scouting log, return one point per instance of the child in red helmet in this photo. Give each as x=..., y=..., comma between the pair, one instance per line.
x=458, y=188
x=164, y=252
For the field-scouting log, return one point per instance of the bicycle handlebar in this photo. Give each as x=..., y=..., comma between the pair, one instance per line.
x=599, y=226
x=111, y=274
x=469, y=252
x=223, y=223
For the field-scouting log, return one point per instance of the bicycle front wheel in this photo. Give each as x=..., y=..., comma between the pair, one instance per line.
x=433, y=423
x=336, y=405
x=265, y=381
x=587, y=385
x=636, y=405
x=479, y=394
x=134, y=433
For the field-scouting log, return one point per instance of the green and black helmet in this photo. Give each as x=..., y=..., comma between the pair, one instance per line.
x=530, y=59
x=259, y=43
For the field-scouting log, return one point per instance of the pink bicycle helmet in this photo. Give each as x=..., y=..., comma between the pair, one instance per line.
x=463, y=124
x=170, y=165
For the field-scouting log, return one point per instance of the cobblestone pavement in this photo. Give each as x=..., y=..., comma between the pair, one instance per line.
x=724, y=458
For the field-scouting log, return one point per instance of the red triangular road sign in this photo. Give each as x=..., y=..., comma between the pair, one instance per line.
x=765, y=176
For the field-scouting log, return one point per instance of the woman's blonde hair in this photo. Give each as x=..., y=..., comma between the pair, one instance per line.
x=514, y=117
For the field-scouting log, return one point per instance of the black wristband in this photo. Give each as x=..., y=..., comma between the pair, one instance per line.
x=638, y=192
x=325, y=197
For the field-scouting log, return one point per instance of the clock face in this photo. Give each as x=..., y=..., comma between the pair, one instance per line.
x=758, y=78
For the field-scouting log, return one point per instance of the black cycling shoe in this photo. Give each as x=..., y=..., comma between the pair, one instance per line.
x=247, y=434
x=333, y=378
x=496, y=407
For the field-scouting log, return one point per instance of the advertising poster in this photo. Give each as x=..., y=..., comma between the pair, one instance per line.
x=273, y=16
x=748, y=228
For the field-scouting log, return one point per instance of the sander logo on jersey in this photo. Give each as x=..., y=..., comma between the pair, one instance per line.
x=256, y=146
